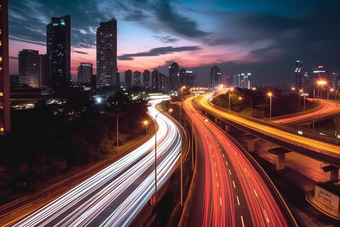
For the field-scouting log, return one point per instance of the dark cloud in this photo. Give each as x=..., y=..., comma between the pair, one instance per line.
x=158, y=51
x=135, y=15
x=79, y=52
x=167, y=39
x=175, y=22
x=13, y=57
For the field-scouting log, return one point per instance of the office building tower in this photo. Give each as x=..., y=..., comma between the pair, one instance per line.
x=44, y=71
x=190, y=78
x=246, y=81
x=182, y=77
x=215, y=77
x=136, y=79
x=85, y=72
x=146, y=79
x=298, y=74
x=155, y=80
x=29, y=68
x=5, y=117
x=128, y=79
x=173, y=77
x=163, y=83
x=107, y=54
x=59, y=52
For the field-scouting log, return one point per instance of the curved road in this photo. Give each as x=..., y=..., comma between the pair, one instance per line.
x=114, y=196
x=228, y=190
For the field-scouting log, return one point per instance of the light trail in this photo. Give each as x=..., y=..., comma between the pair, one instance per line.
x=115, y=195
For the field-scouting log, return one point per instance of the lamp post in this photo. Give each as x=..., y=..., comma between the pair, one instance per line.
x=230, y=89
x=251, y=104
x=270, y=106
x=118, y=133
x=300, y=91
x=304, y=101
x=320, y=83
x=146, y=125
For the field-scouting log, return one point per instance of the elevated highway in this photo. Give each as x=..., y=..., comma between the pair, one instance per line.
x=312, y=146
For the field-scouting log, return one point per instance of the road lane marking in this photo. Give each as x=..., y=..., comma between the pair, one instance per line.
x=217, y=185
x=255, y=193
x=230, y=172
x=216, y=174
x=220, y=201
x=238, y=201
x=234, y=184
x=223, y=155
x=226, y=162
x=242, y=221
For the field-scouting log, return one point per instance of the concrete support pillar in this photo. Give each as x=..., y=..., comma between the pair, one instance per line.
x=280, y=157
x=335, y=175
x=216, y=120
x=250, y=145
x=334, y=172
x=280, y=161
x=227, y=128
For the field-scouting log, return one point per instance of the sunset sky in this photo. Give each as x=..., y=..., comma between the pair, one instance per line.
x=262, y=37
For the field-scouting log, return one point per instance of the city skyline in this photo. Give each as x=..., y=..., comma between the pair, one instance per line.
x=259, y=38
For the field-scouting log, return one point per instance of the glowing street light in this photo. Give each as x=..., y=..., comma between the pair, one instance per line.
x=251, y=104
x=270, y=105
x=230, y=89
x=146, y=125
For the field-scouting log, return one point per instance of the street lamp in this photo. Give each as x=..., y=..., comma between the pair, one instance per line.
x=320, y=83
x=251, y=104
x=230, y=89
x=146, y=125
x=270, y=106
x=300, y=91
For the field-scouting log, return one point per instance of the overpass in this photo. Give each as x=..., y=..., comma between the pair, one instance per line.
x=315, y=146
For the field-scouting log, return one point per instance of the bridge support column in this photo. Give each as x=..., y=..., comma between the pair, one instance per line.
x=334, y=176
x=280, y=157
x=227, y=127
x=250, y=142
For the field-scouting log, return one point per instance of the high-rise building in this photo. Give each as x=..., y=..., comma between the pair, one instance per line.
x=298, y=74
x=242, y=80
x=182, y=77
x=215, y=77
x=190, y=78
x=5, y=117
x=173, y=77
x=136, y=78
x=59, y=52
x=85, y=72
x=44, y=70
x=146, y=79
x=29, y=68
x=155, y=80
x=128, y=79
x=107, y=54
x=163, y=83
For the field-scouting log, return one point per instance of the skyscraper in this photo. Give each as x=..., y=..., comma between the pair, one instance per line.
x=136, y=78
x=107, y=54
x=85, y=72
x=298, y=74
x=59, y=52
x=182, y=77
x=5, y=117
x=29, y=68
x=173, y=77
x=146, y=79
x=215, y=77
x=155, y=80
x=128, y=78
